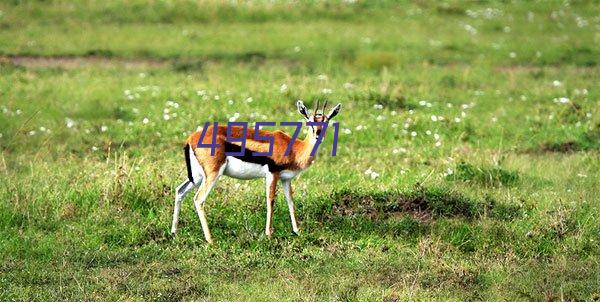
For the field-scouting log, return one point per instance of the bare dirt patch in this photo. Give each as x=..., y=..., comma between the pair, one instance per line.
x=422, y=204
x=71, y=62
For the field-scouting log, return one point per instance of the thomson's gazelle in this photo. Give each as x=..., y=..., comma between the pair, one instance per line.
x=205, y=169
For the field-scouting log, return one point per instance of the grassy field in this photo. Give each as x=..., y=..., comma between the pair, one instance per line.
x=467, y=165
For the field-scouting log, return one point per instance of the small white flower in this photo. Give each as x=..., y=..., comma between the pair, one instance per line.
x=457, y=119
x=249, y=99
x=70, y=123
x=145, y=121
x=370, y=172
x=360, y=127
x=322, y=77
x=283, y=88
x=470, y=29
x=393, y=112
x=326, y=91
x=32, y=132
x=166, y=117
x=347, y=131
x=434, y=118
x=394, y=125
x=556, y=83
x=512, y=55
x=201, y=92
x=103, y=128
x=494, y=119
x=379, y=118
x=436, y=137
x=438, y=144
x=230, y=102
x=378, y=106
x=413, y=134
x=448, y=172
x=297, y=49
x=94, y=148
x=348, y=85
x=234, y=117
x=428, y=132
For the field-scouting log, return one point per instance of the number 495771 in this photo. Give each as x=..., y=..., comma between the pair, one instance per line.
x=242, y=139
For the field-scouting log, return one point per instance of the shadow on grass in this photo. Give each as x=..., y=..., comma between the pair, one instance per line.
x=406, y=213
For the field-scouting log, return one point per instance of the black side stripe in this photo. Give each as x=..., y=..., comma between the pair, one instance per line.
x=188, y=164
x=249, y=158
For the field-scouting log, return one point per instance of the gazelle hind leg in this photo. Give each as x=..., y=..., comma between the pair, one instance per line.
x=180, y=193
x=287, y=191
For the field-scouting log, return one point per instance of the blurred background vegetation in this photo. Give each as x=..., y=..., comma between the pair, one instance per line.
x=466, y=168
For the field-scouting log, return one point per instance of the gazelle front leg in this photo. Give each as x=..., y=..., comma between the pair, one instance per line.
x=271, y=191
x=287, y=191
x=199, y=200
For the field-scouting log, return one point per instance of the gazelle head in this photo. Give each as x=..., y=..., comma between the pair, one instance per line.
x=317, y=116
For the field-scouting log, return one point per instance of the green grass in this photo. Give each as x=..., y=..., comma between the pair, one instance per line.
x=466, y=166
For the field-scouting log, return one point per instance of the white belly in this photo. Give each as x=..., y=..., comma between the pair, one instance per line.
x=287, y=174
x=240, y=169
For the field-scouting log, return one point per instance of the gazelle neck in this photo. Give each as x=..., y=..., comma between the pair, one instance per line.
x=304, y=158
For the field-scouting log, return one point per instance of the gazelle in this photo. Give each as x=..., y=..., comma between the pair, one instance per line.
x=204, y=169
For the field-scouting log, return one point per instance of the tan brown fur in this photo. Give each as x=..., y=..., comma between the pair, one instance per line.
x=298, y=159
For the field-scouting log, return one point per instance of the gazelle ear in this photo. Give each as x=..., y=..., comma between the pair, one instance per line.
x=334, y=111
x=302, y=109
